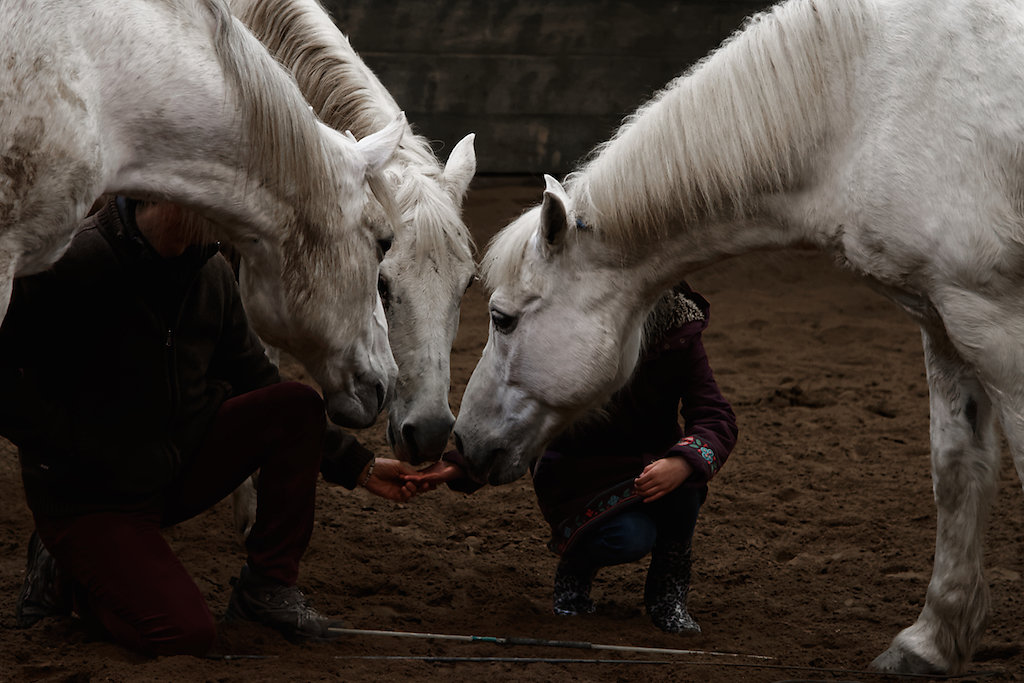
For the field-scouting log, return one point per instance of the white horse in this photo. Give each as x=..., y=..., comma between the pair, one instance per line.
x=889, y=133
x=178, y=101
x=430, y=265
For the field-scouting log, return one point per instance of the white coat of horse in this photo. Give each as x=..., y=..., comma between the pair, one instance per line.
x=430, y=264
x=889, y=133
x=178, y=101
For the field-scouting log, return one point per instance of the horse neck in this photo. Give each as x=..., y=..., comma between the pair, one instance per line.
x=340, y=87
x=248, y=116
x=691, y=175
x=346, y=95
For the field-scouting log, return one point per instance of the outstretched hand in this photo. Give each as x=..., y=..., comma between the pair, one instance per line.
x=429, y=478
x=387, y=480
x=662, y=477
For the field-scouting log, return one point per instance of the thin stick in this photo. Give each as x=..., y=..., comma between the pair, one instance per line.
x=504, y=660
x=434, y=659
x=579, y=645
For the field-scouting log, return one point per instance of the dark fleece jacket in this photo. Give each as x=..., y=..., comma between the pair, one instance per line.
x=114, y=362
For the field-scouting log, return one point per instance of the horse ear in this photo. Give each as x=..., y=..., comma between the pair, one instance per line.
x=459, y=170
x=378, y=148
x=554, y=214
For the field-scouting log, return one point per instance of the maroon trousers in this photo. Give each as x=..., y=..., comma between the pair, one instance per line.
x=124, y=573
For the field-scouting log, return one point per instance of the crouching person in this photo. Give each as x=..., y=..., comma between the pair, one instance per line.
x=139, y=397
x=628, y=482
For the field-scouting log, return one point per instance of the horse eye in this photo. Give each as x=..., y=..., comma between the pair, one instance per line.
x=384, y=289
x=383, y=246
x=503, y=322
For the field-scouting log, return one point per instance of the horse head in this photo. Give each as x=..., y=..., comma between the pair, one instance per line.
x=565, y=332
x=422, y=281
x=311, y=289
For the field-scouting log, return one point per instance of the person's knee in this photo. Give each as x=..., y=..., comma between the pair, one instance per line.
x=626, y=538
x=632, y=541
x=303, y=402
x=301, y=412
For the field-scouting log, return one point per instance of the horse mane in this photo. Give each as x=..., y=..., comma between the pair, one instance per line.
x=291, y=151
x=736, y=124
x=347, y=95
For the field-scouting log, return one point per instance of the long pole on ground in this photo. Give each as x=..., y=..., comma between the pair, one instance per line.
x=579, y=645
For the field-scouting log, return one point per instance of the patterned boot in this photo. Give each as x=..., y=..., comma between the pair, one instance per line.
x=572, y=590
x=668, y=582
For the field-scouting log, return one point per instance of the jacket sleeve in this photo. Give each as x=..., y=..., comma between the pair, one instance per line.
x=710, y=430
x=28, y=418
x=343, y=457
x=241, y=357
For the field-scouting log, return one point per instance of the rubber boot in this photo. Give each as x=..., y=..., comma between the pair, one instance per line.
x=572, y=590
x=666, y=588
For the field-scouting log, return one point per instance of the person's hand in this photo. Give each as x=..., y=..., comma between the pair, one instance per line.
x=387, y=479
x=662, y=477
x=429, y=478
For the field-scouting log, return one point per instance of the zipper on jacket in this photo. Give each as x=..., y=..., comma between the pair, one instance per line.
x=170, y=338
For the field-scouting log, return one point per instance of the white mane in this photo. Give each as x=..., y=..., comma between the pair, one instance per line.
x=758, y=102
x=292, y=154
x=346, y=95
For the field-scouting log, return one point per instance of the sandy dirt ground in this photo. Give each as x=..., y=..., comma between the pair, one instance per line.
x=814, y=548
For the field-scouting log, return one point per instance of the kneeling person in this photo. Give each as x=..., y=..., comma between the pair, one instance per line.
x=139, y=397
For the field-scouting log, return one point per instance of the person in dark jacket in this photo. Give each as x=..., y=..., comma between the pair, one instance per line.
x=138, y=397
x=628, y=481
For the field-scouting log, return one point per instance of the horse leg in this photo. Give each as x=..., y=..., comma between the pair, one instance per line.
x=964, y=459
x=244, y=506
x=244, y=498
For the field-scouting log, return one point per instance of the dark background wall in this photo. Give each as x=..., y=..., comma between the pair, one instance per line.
x=540, y=82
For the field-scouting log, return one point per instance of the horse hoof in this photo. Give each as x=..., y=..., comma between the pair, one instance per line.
x=898, y=660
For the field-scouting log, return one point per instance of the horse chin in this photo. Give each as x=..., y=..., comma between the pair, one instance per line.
x=346, y=410
x=505, y=474
x=497, y=469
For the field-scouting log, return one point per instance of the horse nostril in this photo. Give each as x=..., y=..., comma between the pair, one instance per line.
x=382, y=395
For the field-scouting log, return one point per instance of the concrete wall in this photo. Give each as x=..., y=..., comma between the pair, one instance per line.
x=539, y=82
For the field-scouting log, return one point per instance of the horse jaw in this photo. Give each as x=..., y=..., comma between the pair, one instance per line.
x=356, y=395
x=356, y=379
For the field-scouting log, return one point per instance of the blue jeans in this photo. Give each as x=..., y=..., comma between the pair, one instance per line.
x=631, y=534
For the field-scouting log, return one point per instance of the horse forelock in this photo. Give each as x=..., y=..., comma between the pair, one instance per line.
x=506, y=252
x=432, y=225
x=737, y=124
